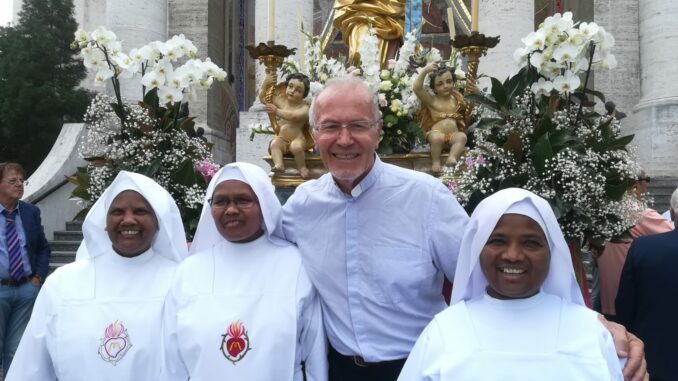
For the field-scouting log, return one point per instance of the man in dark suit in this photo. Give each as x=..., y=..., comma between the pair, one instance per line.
x=646, y=303
x=24, y=259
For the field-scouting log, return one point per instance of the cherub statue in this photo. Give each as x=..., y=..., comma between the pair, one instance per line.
x=292, y=133
x=443, y=114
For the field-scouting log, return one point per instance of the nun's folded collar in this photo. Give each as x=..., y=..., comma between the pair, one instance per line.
x=207, y=235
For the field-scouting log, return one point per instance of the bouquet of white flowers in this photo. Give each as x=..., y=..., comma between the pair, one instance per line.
x=155, y=137
x=539, y=132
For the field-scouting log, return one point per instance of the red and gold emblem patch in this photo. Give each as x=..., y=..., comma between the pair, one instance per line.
x=115, y=343
x=235, y=343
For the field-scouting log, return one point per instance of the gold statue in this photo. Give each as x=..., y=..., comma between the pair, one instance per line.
x=443, y=114
x=385, y=17
x=292, y=133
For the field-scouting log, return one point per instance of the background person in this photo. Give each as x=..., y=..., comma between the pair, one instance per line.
x=24, y=259
x=517, y=311
x=646, y=302
x=611, y=261
x=242, y=306
x=99, y=318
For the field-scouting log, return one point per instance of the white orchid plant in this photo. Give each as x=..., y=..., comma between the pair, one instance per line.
x=561, y=51
x=155, y=137
x=539, y=131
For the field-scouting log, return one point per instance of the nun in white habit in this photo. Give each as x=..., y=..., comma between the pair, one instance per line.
x=99, y=318
x=242, y=306
x=517, y=313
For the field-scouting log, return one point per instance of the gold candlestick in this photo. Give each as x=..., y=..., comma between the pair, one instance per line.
x=474, y=47
x=271, y=56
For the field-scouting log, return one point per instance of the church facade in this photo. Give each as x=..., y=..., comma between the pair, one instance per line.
x=644, y=86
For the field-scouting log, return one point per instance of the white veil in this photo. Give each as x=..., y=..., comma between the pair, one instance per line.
x=170, y=241
x=469, y=281
x=207, y=234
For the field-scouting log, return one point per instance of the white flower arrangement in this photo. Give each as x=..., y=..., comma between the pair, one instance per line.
x=155, y=137
x=535, y=133
x=561, y=50
x=103, y=55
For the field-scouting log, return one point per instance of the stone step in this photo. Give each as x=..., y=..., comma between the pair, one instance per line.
x=61, y=257
x=74, y=226
x=59, y=245
x=68, y=235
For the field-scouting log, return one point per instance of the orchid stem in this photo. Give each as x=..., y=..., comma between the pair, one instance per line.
x=586, y=82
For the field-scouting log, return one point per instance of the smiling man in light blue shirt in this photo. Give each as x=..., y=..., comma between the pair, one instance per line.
x=376, y=240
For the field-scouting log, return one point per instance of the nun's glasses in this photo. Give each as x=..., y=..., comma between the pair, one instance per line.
x=239, y=202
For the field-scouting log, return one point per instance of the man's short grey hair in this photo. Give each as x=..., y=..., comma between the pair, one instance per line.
x=674, y=201
x=352, y=81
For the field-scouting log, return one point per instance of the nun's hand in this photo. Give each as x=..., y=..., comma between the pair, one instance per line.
x=631, y=347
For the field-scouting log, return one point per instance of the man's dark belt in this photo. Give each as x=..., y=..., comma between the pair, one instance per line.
x=14, y=282
x=359, y=361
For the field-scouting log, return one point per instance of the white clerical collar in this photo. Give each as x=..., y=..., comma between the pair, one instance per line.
x=369, y=180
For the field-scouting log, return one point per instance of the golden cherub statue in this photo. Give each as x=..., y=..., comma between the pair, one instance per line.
x=292, y=132
x=443, y=114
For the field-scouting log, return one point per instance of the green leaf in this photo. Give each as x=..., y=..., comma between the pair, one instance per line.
x=542, y=152
x=516, y=181
x=562, y=139
x=119, y=111
x=81, y=192
x=544, y=126
x=152, y=168
x=83, y=178
x=516, y=85
x=620, y=143
x=515, y=145
x=482, y=99
x=390, y=120
x=490, y=122
x=557, y=207
x=583, y=99
x=596, y=94
x=186, y=173
x=151, y=99
x=188, y=125
x=617, y=191
x=499, y=93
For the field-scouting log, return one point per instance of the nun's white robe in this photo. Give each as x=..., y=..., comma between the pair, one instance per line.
x=67, y=338
x=549, y=336
x=243, y=311
x=259, y=284
x=533, y=339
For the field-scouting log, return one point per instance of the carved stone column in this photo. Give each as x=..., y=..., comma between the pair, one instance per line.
x=655, y=118
x=136, y=23
x=512, y=20
x=622, y=84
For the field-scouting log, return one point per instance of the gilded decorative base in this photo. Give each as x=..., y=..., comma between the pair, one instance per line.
x=420, y=162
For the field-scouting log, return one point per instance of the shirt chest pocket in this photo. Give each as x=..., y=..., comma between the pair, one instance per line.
x=398, y=274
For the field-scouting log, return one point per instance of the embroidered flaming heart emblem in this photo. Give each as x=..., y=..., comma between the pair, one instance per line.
x=235, y=343
x=115, y=343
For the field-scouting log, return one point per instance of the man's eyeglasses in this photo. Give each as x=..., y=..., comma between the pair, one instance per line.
x=358, y=127
x=15, y=182
x=646, y=179
x=223, y=203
